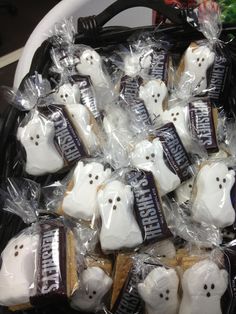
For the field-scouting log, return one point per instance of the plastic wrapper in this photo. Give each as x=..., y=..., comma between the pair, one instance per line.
x=203, y=285
x=94, y=272
x=165, y=156
x=119, y=228
x=228, y=300
x=56, y=276
x=19, y=257
x=90, y=63
x=212, y=201
x=80, y=199
x=117, y=125
x=18, y=266
x=148, y=280
x=182, y=224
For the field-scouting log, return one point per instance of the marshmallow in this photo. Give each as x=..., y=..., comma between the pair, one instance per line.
x=153, y=94
x=160, y=291
x=212, y=203
x=184, y=192
x=149, y=156
x=67, y=94
x=176, y=115
x=37, y=137
x=119, y=227
x=18, y=269
x=137, y=63
x=91, y=64
x=81, y=201
x=197, y=61
x=94, y=284
x=203, y=286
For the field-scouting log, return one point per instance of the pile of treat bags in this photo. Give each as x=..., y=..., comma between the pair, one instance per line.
x=138, y=213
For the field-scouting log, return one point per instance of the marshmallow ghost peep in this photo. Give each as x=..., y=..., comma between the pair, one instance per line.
x=160, y=291
x=94, y=285
x=197, y=61
x=67, y=94
x=176, y=115
x=149, y=156
x=212, y=203
x=203, y=286
x=17, y=269
x=119, y=227
x=81, y=201
x=91, y=64
x=153, y=94
x=37, y=137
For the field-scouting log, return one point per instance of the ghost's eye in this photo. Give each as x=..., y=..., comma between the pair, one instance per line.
x=21, y=247
x=198, y=59
x=61, y=96
x=217, y=179
x=16, y=247
x=158, y=95
x=94, y=292
x=203, y=59
x=167, y=291
x=37, y=136
x=213, y=286
x=172, y=114
x=205, y=287
x=177, y=113
x=153, y=96
x=96, y=178
x=161, y=295
x=91, y=57
x=147, y=157
x=110, y=200
x=90, y=175
x=224, y=180
x=66, y=95
x=90, y=297
x=118, y=199
x=31, y=137
x=152, y=155
x=190, y=186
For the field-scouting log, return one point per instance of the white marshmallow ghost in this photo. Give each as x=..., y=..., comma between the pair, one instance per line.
x=37, y=137
x=137, y=63
x=81, y=118
x=94, y=284
x=153, y=94
x=203, y=286
x=91, y=64
x=17, y=269
x=184, y=192
x=119, y=227
x=149, y=156
x=197, y=61
x=81, y=201
x=67, y=94
x=160, y=291
x=212, y=203
x=177, y=116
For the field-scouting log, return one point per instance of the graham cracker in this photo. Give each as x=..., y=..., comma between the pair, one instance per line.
x=71, y=265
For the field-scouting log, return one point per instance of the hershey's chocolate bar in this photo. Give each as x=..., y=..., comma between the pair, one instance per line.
x=51, y=277
x=202, y=124
x=148, y=206
x=175, y=154
x=129, y=87
x=160, y=66
x=129, y=300
x=66, y=138
x=129, y=91
x=218, y=80
x=87, y=94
